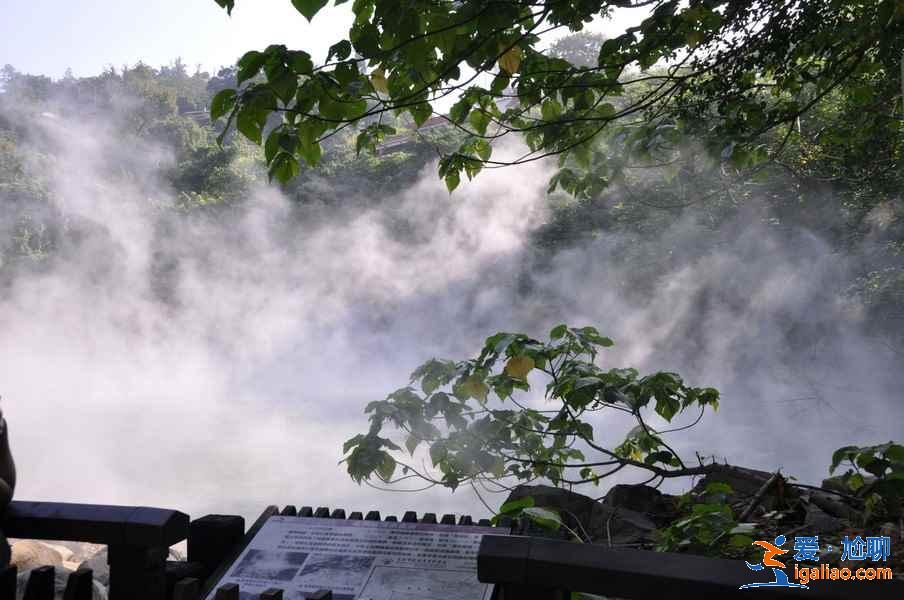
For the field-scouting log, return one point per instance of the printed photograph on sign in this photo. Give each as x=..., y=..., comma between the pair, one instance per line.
x=340, y=571
x=269, y=565
x=400, y=583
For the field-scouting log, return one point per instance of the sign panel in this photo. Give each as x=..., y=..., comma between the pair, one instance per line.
x=361, y=560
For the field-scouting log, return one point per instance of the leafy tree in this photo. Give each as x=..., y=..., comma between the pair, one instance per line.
x=580, y=49
x=477, y=430
x=725, y=72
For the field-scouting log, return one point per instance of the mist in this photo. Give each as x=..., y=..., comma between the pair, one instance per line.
x=215, y=364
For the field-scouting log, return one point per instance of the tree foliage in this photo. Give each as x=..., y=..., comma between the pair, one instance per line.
x=476, y=422
x=721, y=72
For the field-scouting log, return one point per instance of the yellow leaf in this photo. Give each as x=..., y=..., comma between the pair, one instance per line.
x=378, y=80
x=510, y=61
x=476, y=388
x=519, y=366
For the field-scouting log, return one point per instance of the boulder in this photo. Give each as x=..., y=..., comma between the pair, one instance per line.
x=660, y=508
x=819, y=521
x=65, y=553
x=80, y=551
x=743, y=482
x=28, y=554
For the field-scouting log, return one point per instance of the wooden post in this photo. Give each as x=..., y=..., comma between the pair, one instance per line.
x=40, y=584
x=229, y=591
x=137, y=572
x=320, y=595
x=9, y=579
x=272, y=594
x=289, y=511
x=187, y=589
x=212, y=538
x=80, y=585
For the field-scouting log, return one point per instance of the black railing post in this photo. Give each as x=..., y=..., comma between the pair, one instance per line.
x=40, y=585
x=228, y=591
x=80, y=585
x=9, y=580
x=137, y=572
x=212, y=538
x=187, y=589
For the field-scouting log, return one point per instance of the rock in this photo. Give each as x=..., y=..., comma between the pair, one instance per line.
x=98, y=564
x=744, y=482
x=28, y=554
x=176, y=554
x=819, y=521
x=65, y=553
x=833, y=505
x=644, y=499
x=61, y=576
x=81, y=551
x=602, y=523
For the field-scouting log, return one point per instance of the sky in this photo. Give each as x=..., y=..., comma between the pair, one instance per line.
x=45, y=37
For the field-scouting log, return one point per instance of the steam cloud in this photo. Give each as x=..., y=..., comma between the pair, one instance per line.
x=216, y=365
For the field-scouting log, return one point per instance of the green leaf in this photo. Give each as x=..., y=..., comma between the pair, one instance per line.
x=459, y=111
x=479, y=120
x=341, y=50
x=856, y=481
x=421, y=112
x=840, y=455
x=452, y=180
x=514, y=506
x=558, y=331
x=387, y=467
x=543, y=517
x=551, y=110
x=483, y=149
x=438, y=453
x=284, y=167
x=667, y=406
x=311, y=153
x=718, y=487
x=227, y=4
x=284, y=86
x=740, y=541
x=309, y=8
x=271, y=146
x=250, y=123
x=351, y=443
x=895, y=453
x=249, y=65
x=222, y=103
x=301, y=62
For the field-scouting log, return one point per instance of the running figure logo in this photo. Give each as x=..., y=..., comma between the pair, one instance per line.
x=769, y=554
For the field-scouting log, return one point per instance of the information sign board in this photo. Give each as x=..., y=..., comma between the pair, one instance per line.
x=361, y=560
